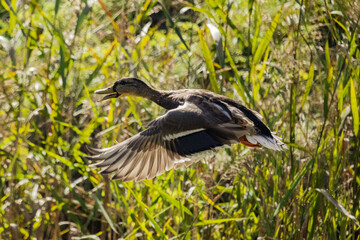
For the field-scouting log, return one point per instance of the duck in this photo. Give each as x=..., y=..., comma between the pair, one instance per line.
x=196, y=122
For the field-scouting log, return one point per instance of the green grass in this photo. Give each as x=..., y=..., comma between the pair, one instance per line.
x=297, y=63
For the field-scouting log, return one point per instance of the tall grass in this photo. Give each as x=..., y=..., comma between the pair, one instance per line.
x=297, y=63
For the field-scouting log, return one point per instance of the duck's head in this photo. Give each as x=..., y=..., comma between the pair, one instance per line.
x=123, y=87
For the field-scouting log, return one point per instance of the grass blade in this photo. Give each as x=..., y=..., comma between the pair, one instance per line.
x=108, y=13
x=57, y=5
x=238, y=85
x=293, y=186
x=333, y=201
x=172, y=25
x=308, y=85
x=146, y=210
x=82, y=16
x=260, y=50
x=104, y=212
x=208, y=62
x=217, y=221
x=98, y=67
x=167, y=197
x=211, y=202
x=354, y=107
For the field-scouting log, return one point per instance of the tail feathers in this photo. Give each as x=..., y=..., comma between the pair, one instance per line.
x=273, y=142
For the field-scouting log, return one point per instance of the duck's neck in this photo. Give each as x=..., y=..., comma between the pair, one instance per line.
x=160, y=97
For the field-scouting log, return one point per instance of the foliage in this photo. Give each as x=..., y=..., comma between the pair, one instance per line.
x=297, y=63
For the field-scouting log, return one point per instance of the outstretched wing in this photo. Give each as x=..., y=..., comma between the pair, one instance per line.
x=172, y=140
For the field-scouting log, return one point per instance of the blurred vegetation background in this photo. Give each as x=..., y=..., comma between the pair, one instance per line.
x=296, y=62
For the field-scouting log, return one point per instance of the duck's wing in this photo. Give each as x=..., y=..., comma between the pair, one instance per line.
x=174, y=139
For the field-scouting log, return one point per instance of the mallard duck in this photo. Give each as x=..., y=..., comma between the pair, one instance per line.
x=197, y=121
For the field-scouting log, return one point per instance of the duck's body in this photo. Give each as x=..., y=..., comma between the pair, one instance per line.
x=197, y=121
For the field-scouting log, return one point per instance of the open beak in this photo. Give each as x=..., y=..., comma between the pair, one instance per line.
x=109, y=90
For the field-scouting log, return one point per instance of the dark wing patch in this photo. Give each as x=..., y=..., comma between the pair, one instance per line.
x=194, y=143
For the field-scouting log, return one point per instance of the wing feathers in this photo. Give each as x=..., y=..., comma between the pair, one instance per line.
x=142, y=157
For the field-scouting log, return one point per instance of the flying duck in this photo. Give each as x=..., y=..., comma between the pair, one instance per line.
x=197, y=121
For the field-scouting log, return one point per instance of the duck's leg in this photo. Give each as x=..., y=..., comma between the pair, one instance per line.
x=245, y=142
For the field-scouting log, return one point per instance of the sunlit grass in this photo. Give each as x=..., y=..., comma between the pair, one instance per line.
x=295, y=63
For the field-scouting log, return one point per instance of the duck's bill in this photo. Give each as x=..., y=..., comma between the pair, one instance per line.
x=109, y=90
